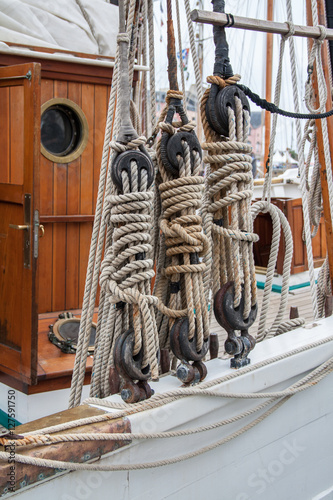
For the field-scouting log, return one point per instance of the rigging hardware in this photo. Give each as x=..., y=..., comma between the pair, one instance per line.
x=232, y=319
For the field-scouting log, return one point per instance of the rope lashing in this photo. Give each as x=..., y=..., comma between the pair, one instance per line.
x=127, y=270
x=181, y=228
x=126, y=354
x=230, y=272
x=227, y=205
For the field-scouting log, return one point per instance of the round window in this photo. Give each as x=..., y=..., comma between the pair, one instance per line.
x=64, y=130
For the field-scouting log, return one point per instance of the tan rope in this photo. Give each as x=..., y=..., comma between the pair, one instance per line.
x=313, y=378
x=182, y=235
x=229, y=184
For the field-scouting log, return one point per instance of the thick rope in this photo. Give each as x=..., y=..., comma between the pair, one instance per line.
x=99, y=377
x=315, y=57
x=304, y=383
x=308, y=381
x=95, y=255
x=179, y=280
x=301, y=160
x=229, y=184
x=159, y=400
x=195, y=58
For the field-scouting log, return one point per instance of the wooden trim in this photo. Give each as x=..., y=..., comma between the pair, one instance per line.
x=11, y=193
x=60, y=51
x=51, y=219
x=60, y=70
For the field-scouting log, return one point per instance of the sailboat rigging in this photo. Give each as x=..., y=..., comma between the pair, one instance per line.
x=155, y=398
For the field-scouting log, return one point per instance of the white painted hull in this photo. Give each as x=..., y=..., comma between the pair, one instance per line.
x=289, y=455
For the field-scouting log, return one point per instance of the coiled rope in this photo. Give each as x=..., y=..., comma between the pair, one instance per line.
x=229, y=184
x=181, y=236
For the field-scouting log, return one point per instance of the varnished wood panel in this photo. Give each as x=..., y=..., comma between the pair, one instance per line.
x=297, y=236
x=45, y=257
x=12, y=134
x=68, y=198
x=17, y=135
x=101, y=103
x=292, y=208
x=18, y=313
x=65, y=71
x=73, y=207
x=11, y=275
x=4, y=135
x=59, y=230
x=87, y=157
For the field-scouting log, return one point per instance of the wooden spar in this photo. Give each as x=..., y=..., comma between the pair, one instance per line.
x=218, y=19
x=171, y=47
x=269, y=70
x=320, y=141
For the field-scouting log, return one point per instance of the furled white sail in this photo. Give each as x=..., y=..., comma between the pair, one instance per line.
x=88, y=26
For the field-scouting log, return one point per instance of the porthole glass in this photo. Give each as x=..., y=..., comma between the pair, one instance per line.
x=64, y=130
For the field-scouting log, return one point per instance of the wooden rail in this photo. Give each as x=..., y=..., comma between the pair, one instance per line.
x=206, y=17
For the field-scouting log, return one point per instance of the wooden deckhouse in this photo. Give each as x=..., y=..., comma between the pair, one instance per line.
x=48, y=187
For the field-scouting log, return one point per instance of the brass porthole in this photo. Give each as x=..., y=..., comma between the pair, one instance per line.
x=64, y=130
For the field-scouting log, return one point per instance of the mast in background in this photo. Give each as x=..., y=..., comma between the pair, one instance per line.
x=269, y=67
x=323, y=174
x=329, y=19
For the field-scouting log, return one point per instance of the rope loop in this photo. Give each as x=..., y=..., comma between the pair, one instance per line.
x=291, y=31
x=173, y=94
x=133, y=144
x=323, y=33
x=123, y=37
x=221, y=82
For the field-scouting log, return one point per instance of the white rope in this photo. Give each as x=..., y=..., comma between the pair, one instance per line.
x=95, y=254
x=98, y=239
x=301, y=163
x=195, y=58
x=308, y=381
x=278, y=220
x=315, y=57
x=151, y=65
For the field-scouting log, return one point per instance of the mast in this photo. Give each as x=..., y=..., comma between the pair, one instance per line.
x=268, y=96
x=323, y=174
x=329, y=18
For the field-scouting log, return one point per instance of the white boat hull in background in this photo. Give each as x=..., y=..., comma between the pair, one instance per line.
x=289, y=455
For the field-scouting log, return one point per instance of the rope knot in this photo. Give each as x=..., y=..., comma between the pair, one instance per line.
x=221, y=82
x=291, y=31
x=123, y=37
x=133, y=144
x=173, y=94
x=323, y=33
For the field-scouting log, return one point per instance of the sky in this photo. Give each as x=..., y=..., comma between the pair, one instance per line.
x=247, y=53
